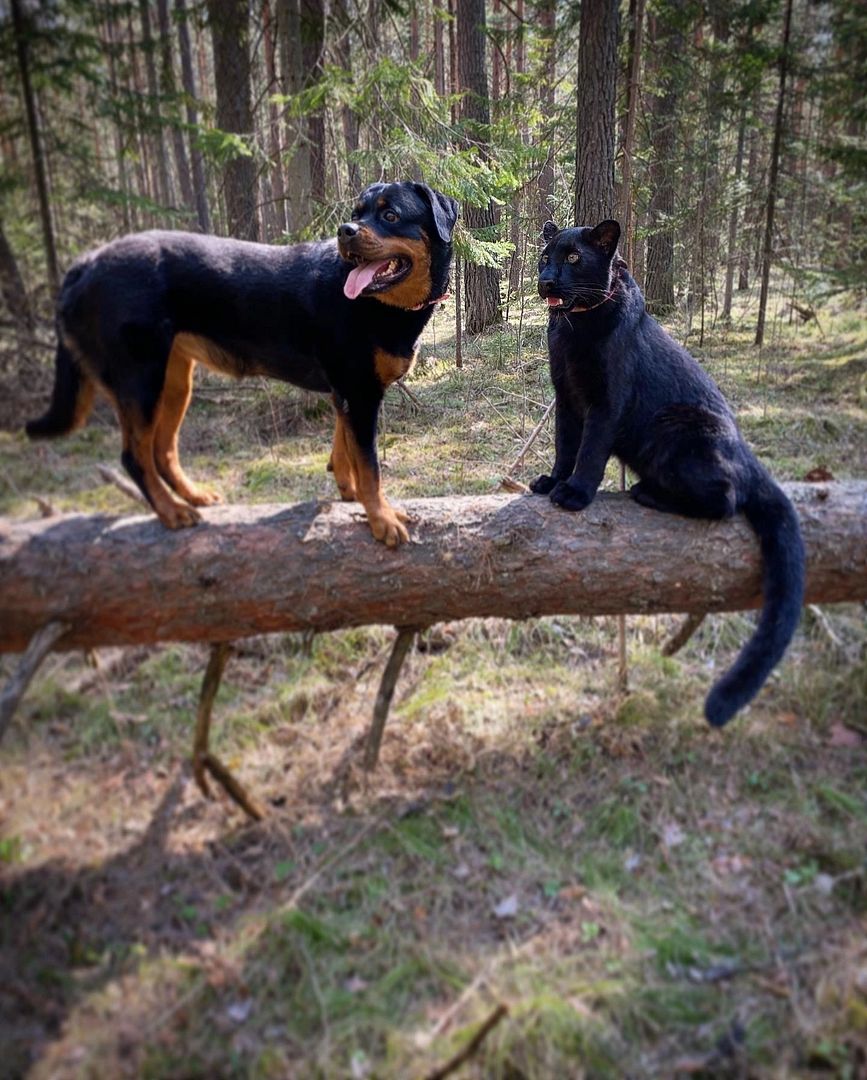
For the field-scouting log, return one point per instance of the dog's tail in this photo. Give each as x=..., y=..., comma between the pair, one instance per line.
x=71, y=398
x=775, y=522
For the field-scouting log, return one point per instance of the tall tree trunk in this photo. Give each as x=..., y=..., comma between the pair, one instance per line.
x=15, y=295
x=732, y=248
x=596, y=86
x=547, y=15
x=439, y=49
x=481, y=283
x=627, y=214
x=298, y=166
x=496, y=58
x=188, y=81
x=277, y=211
x=666, y=42
x=773, y=178
x=230, y=31
x=348, y=116
x=137, y=94
x=753, y=142
x=182, y=165
x=36, y=148
x=117, y=130
x=516, y=224
x=165, y=194
x=313, y=43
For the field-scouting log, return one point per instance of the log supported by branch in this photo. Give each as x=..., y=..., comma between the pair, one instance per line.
x=256, y=569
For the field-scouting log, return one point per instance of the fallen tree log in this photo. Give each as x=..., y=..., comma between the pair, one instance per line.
x=257, y=569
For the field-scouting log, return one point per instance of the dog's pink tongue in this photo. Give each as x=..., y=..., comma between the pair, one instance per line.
x=360, y=277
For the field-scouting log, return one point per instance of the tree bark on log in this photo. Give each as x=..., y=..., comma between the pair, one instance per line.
x=314, y=566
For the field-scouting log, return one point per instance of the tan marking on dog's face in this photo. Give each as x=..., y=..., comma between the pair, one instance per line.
x=389, y=367
x=415, y=287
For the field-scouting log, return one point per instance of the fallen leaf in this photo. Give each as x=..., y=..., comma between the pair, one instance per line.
x=818, y=475
x=239, y=1011
x=844, y=737
x=508, y=908
x=673, y=835
x=824, y=883
x=726, y=865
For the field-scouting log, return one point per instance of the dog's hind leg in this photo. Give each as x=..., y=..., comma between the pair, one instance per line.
x=140, y=360
x=174, y=400
x=138, y=460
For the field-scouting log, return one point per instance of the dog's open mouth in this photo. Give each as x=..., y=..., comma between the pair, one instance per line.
x=373, y=277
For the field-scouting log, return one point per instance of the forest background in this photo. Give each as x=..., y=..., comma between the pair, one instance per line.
x=547, y=830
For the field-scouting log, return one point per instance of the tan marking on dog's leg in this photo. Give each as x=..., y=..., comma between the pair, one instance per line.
x=341, y=460
x=175, y=399
x=138, y=444
x=386, y=522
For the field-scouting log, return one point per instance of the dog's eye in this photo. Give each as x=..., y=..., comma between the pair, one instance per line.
x=389, y=215
x=544, y=260
x=573, y=257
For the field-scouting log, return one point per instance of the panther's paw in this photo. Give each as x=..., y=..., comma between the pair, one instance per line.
x=543, y=485
x=571, y=496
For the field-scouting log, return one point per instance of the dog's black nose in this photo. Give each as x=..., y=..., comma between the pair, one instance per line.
x=347, y=230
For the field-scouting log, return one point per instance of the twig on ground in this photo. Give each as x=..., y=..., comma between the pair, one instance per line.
x=684, y=632
x=454, y=1063
x=112, y=476
x=531, y=438
x=46, y=509
x=40, y=646
x=203, y=760
x=823, y=622
x=509, y=483
x=402, y=643
x=409, y=395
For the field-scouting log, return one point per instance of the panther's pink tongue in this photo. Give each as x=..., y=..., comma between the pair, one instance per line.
x=360, y=277
x=554, y=301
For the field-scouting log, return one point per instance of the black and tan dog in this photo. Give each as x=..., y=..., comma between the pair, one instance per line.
x=338, y=316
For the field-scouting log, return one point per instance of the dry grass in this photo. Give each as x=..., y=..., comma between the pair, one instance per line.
x=649, y=898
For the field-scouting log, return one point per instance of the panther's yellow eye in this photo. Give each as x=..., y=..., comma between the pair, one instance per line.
x=544, y=260
x=573, y=257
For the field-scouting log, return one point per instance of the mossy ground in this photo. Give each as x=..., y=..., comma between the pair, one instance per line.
x=648, y=897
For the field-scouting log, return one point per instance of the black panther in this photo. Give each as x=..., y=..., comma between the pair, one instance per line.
x=625, y=387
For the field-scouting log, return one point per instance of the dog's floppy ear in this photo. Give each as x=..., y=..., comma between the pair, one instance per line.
x=549, y=231
x=444, y=209
x=605, y=236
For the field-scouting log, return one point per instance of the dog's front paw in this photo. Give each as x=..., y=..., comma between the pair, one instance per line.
x=389, y=525
x=571, y=496
x=543, y=485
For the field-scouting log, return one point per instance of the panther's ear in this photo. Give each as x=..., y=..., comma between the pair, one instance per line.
x=549, y=231
x=605, y=236
x=444, y=209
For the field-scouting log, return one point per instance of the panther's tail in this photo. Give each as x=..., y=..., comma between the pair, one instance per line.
x=775, y=522
x=70, y=400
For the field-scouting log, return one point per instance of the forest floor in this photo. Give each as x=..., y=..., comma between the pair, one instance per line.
x=646, y=897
